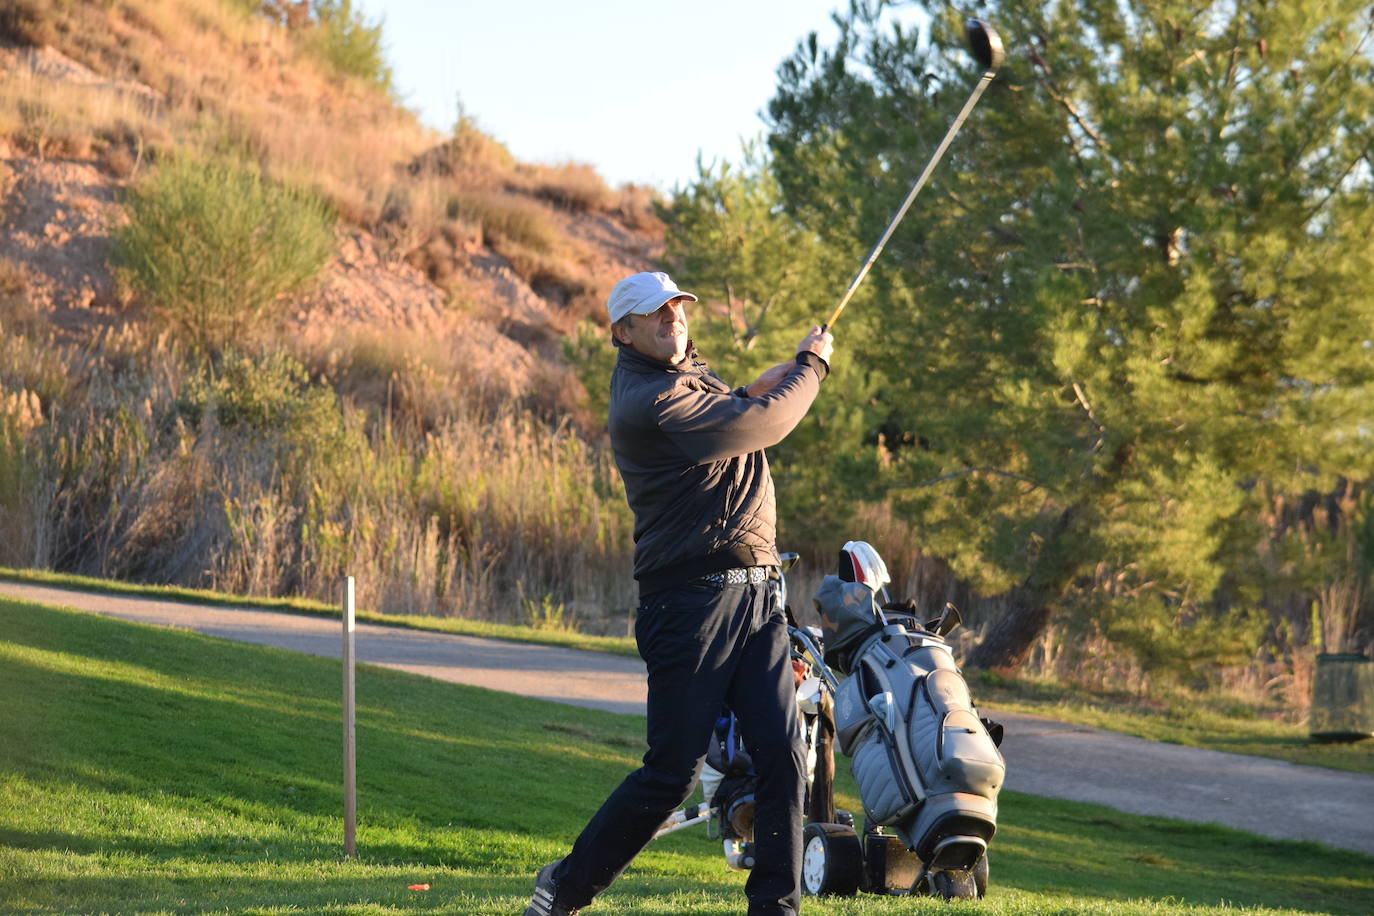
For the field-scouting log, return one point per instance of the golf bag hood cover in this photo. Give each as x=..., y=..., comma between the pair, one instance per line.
x=848, y=617
x=923, y=760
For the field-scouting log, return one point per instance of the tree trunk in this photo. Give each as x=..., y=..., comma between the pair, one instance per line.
x=1010, y=639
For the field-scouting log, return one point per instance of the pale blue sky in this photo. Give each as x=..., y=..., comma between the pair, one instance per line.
x=634, y=87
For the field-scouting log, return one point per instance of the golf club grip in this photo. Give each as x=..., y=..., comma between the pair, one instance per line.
x=973, y=98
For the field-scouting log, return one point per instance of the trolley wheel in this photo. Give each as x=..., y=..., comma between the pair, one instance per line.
x=832, y=860
x=953, y=884
x=980, y=876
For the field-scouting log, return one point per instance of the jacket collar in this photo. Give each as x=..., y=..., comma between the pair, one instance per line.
x=633, y=359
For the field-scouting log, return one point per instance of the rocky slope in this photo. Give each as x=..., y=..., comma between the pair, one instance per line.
x=61, y=201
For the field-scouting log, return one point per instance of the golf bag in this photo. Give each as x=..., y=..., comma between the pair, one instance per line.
x=927, y=766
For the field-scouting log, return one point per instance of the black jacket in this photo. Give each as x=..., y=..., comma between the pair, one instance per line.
x=690, y=451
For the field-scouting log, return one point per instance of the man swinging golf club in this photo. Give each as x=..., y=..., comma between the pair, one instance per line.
x=690, y=451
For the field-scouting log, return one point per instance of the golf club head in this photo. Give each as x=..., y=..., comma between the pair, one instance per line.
x=985, y=43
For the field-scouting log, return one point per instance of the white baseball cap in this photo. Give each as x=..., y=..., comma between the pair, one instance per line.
x=643, y=294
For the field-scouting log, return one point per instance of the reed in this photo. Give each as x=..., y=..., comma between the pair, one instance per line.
x=251, y=476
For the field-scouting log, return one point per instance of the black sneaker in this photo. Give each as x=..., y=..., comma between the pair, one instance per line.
x=545, y=899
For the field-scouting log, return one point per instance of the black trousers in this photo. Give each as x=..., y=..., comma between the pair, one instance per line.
x=704, y=646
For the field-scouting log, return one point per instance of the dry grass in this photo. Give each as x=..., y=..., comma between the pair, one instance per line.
x=637, y=206
x=225, y=79
x=507, y=219
x=469, y=157
x=573, y=186
x=418, y=378
x=416, y=211
x=62, y=119
x=438, y=506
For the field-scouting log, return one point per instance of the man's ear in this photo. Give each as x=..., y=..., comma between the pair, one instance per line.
x=620, y=331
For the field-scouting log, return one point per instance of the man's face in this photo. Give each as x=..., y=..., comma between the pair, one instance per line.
x=661, y=334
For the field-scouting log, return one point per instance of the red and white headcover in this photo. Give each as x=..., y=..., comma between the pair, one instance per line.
x=859, y=562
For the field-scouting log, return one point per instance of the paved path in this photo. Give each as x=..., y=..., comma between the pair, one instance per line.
x=1044, y=757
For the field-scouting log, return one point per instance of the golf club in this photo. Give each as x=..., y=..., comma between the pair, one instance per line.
x=987, y=48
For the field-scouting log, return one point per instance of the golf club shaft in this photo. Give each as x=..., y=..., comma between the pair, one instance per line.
x=977, y=93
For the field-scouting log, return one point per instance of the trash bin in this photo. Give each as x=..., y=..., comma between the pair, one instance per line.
x=1342, y=697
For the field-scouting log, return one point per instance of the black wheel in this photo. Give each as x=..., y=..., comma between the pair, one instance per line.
x=832, y=860
x=980, y=876
x=953, y=884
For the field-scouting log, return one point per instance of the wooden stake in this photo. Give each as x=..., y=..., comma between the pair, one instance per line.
x=350, y=746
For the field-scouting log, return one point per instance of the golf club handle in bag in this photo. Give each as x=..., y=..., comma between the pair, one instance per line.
x=910, y=197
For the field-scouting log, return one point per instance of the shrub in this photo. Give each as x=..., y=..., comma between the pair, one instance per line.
x=638, y=206
x=13, y=278
x=507, y=218
x=27, y=22
x=470, y=154
x=559, y=279
x=118, y=160
x=348, y=43
x=211, y=245
x=573, y=186
x=268, y=402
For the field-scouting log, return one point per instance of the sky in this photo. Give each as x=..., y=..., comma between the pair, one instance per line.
x=636, y=88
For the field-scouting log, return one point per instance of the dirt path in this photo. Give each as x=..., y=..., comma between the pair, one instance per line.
x=1044, y=757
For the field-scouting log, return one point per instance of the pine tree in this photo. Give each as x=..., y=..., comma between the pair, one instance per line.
x=1135, y=301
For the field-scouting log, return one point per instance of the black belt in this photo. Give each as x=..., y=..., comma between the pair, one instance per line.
x=742, y=575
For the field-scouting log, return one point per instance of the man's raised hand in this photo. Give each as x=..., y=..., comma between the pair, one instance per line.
x=818, y=342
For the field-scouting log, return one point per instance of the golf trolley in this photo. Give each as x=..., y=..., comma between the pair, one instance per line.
x=886, y=689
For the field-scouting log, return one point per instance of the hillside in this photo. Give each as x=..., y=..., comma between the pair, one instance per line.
x=260, y=328
x=444, y=234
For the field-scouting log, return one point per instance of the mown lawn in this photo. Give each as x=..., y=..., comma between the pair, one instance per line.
x=146, y=770
x=1214, y=722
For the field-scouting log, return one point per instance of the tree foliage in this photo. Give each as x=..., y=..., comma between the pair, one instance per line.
x=337, y=32
x=350, y=43
x=1134, y=302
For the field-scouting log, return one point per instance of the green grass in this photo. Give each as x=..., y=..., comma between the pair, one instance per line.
x=618, y=645
x=158, y=771
x=1195, y=722
x=1179, y=718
